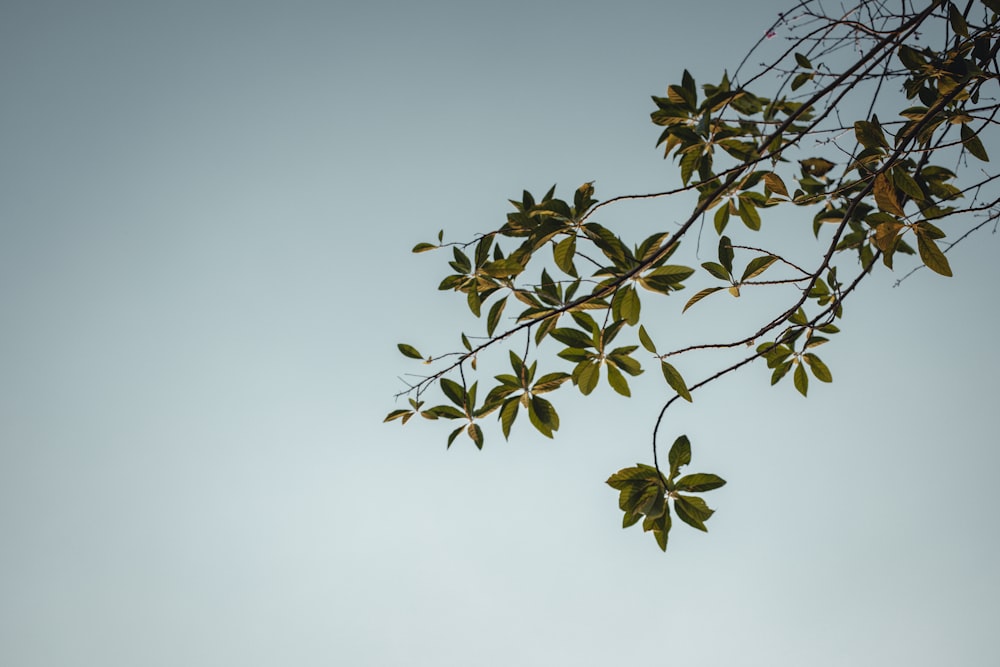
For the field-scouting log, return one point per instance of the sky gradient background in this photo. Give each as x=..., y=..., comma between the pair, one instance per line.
x=206, y=211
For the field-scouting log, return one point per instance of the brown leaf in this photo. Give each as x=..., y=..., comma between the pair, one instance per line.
x=885, y=196
x=886, y=234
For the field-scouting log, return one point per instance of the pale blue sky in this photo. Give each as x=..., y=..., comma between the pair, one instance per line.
x=206, y=211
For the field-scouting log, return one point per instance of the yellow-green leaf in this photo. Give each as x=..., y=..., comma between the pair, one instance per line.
x=618, y=381
x=932, y=256
x=563, y=253
x=676, y=381
x=409, y=351
x=699, y=296
x=757, y=266
x=973, y=144
x=646, y=341
x=396, y=414
x=869, y=134
x=819, y=369
x=800, y=379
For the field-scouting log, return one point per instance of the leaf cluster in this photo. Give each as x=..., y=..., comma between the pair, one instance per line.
x=646, y=494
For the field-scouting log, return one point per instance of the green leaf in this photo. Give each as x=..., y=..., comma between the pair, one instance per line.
x=619, y=357
x=911, y=58
x=617, y=380
x=517, y=365
x=803, y=61
x=494, y=316
x=700, y=295
x=748, y=214
x=680, y=455
x=453, y=391
x=544, y=327
x=587, y=374
x=543, y=416
x=503, y=268
x=653, y=509
x=717, y=270
x=928, y=229
x=676, y=381
x=476, y=434
x=721, y=218
x=651, y=246
x=726, y=253
x=775, y=354
x=780, y=371
x=511, y=382
x=626, y=305
x=409, y=351
x=470, y=397
x=818, y=368
x=869, y=134
x=693, y=511
x=423, y=247
x=957, y=21
x=932, y=256
x=639, y=473
x=801, y=79
x=685, y=94
x=671, y=273
x=443, y=412
x=687, y=81
x=662, y=532
x=572, y=337
x=454, y=434
x=699, y=482
x=973, y=144
x=608, y=242
x=642, y=499
x=462, y=264
x=497, y=396
x=757, y=266
x=630, y=519
x=646, y=341
x=396, y=414
x=583, y=197
x=563, y=253
x=800, y=379
x=549, y=382
x=630, y=494
x=508, y=413
x=633, y=493
x=907, y=184
x=587, y=322
x=475, y=301
x=817, y=166
x=575, y=354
